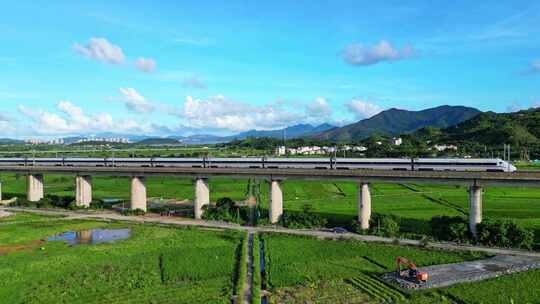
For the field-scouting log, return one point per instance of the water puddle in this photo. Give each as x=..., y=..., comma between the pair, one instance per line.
x=92, y=236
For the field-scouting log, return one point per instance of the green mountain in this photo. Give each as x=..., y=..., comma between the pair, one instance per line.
x=396, y=121
x=519, y=129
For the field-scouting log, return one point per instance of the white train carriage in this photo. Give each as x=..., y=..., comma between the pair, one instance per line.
x=401, y=164
x=298, y=163
x=83, y=161
x=463, y=164
x=229, y=162
x=178, y=162
x=12, y=161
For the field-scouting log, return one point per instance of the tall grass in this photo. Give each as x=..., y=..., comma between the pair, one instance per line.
x=241, y=272
x=256, y=282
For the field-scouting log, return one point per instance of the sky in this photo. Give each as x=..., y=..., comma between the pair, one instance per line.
x=222, y=67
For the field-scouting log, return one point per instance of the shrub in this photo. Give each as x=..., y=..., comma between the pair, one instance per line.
x=304, y=219
x=385, y=225
x=450, y=228
x=504, y=234
x=225, y=210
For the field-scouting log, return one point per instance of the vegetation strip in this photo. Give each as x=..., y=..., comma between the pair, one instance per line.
x=256, y=271
x=241, y=271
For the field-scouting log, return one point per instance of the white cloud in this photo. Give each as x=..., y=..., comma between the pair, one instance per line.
x=194, y=82
x=147, y=65
x=357, y=54
x=363, y=109
x=70, y=119
x=135, y=102
x=319, y=108
x=219, y=112
x=102, y=50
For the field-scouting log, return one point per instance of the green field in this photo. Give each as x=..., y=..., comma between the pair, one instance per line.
x=308, y=270
x=415, y=204
x=179, y=265
x=155, y=265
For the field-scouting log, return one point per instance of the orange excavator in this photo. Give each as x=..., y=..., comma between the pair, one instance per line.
x=412, y=274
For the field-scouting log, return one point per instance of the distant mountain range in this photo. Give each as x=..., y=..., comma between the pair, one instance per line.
x=396, y=121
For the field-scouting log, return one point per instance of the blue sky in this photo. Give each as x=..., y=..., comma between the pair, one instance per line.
x=221, y=67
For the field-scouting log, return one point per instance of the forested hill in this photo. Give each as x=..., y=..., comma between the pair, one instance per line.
x=396, y=121
x=519, y=129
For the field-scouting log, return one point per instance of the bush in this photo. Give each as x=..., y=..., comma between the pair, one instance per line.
x=225, y=210
x=304, y=219
x=447, y=228
x=385, y=225
x=504, y=234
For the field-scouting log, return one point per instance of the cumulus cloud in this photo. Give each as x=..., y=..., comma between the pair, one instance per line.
x=357, y=54
x=194, y=82
x=319, y=108
x=68, y=118
x=101, y=49
x=219, y=112
x=135, y=102
x=147, y=65
x=363, y=109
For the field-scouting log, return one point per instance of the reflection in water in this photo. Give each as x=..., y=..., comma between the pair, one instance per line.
x=92, y=236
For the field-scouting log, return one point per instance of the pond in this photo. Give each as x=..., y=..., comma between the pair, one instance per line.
x=92, y=236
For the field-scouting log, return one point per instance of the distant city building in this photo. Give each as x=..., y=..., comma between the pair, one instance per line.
x=281, y=151
x=441, y=148
x=315, y=150
x=359, y=148
x=396, y=141
x=55, y=141
x=117, y=140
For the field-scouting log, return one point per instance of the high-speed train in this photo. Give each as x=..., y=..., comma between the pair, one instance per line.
x=405, y=164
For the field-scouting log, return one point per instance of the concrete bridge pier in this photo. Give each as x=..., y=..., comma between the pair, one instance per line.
x=83, y=190
x=364, y=205
x=138, y=193
x=202, y=196
x=475, y=208
x=275, y=209
x=34, y=187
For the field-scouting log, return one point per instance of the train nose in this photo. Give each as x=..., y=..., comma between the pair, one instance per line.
x=512, y=168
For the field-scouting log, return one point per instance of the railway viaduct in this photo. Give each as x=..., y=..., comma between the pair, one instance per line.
x=83, y=182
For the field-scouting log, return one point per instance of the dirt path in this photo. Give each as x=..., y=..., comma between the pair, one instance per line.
x=249, y=276
x=156, y=219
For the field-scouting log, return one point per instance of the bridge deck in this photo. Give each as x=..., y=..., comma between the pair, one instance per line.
x=526, y=178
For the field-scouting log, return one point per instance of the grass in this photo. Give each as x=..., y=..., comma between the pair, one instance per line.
x=415, y=204
x=241, y=271
x=256, y=280
x=155, y=265
x=307, y=270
